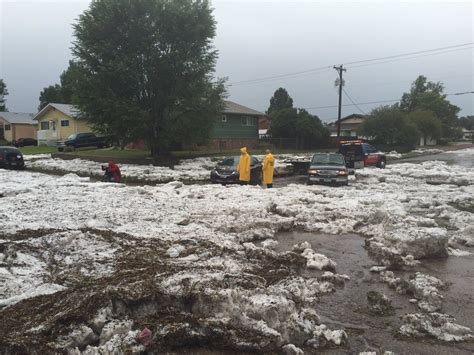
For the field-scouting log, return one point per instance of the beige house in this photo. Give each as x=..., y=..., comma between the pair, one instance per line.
x=350, y=125
x=15, y=125
x=57, y=122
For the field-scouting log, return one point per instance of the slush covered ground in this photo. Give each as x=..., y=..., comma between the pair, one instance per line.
x=86, y=266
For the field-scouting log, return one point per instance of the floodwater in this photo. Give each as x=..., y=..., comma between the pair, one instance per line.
x=347, y=307
x=449, y=158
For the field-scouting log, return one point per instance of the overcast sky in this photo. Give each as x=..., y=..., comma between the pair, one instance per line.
x=257, y=39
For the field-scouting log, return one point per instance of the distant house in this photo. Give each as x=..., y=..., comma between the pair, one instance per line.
x=237, y=127
x=263, y=126
x=57, y=122
x=427, y=141
x=467, y=135
x=15, y=125
x=350, y=125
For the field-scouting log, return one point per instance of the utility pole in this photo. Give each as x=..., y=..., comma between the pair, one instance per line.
x=339, y=69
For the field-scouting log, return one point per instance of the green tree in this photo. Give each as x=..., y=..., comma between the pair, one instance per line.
x=390, y=125
x=60, y=93
x=3, y=93
x=280, y=100
x=427, y=124
x=145, y=70
x=52, y=93
x=428, y=96
x=307, y=130
x=466, y=122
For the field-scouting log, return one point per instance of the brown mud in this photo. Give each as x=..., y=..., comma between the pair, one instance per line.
x=368, y=331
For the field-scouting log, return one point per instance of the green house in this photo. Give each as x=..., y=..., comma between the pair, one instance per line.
x=237, y=127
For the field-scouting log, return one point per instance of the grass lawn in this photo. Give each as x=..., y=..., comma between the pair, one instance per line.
x=111, y=153
x=38, y=150
x=141, y=154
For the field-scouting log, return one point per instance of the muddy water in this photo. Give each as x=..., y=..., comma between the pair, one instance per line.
x=347, y=307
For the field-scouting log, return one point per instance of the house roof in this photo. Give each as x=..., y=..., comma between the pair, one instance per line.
x=67, y=109
x=18, y=117
x=232, y=107
x=355, y=118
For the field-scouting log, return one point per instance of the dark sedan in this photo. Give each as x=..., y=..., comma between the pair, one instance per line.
x=24, y=142
x=226, y=171
x=11, y=158
x=328, y=168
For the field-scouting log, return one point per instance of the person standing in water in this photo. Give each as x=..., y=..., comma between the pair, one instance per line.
x=268, y=168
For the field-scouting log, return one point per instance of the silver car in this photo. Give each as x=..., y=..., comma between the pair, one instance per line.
x=328, y=168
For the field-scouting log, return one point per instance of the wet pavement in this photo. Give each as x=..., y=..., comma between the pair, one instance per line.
x=347, y=308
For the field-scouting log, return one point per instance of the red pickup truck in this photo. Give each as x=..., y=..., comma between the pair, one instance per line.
x=359, y=154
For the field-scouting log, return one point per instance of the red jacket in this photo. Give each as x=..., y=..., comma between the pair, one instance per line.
x=115, y=171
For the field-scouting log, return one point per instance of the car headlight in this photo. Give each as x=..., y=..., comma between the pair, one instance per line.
x=313, y=171
x=235, y=173
x=342, y=172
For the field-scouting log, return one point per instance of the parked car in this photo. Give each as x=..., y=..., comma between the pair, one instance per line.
x=226, y=171
x=11, y=157
x=328, y=168
x=24, y=142
x=359, y=154
x=79, y=140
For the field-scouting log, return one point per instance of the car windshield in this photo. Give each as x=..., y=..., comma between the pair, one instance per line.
x=350, y=149
x=327, y=159
x=10, y=150
x=229, y=161
x=72, y=136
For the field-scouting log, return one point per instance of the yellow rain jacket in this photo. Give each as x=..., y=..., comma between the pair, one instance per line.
x=268, y=167
x=244, y=165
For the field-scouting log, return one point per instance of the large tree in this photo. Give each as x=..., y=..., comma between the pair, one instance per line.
x=299, y=125
x=427, y=124
x=3, y=93
x=466, y=122
x=145, y=70
x=280, y=100
x=390, y=125
x=60, y=93
x=428, y=96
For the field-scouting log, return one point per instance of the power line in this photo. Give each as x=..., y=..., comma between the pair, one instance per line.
x=359, y=103
x=264, y=79
x=433, y=51
x=412, y=57
x=376, y=102
x=350, y=99
x=411, y=53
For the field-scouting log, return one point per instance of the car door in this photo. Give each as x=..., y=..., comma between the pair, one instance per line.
x=371, y=156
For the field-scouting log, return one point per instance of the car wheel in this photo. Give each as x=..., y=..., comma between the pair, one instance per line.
x=381, y=164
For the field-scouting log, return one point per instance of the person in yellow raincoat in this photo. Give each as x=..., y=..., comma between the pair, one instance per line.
x=268, y=167
x=244, y=166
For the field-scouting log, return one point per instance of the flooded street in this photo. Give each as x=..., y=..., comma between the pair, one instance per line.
x=347, y=308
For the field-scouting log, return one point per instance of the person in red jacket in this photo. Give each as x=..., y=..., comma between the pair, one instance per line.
x=113, y=171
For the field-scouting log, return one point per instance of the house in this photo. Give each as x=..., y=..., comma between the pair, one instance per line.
x=15, y=125
x=237, y=127
x=424, y=141
x=467, y=135
x=57, y=122
x=263, y=126
x=350, y=125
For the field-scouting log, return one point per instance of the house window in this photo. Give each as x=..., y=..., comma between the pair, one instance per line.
x=45, y=125
x=247, y=121
x=224, y=118
x=7, y=127
x=64, y=123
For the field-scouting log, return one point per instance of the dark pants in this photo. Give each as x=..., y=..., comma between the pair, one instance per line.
x=269, y=186
x=241, y=182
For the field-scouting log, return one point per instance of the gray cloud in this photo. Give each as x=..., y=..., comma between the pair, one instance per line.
x=259, y=39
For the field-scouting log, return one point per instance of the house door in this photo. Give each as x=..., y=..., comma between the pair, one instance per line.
x=2, y=133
